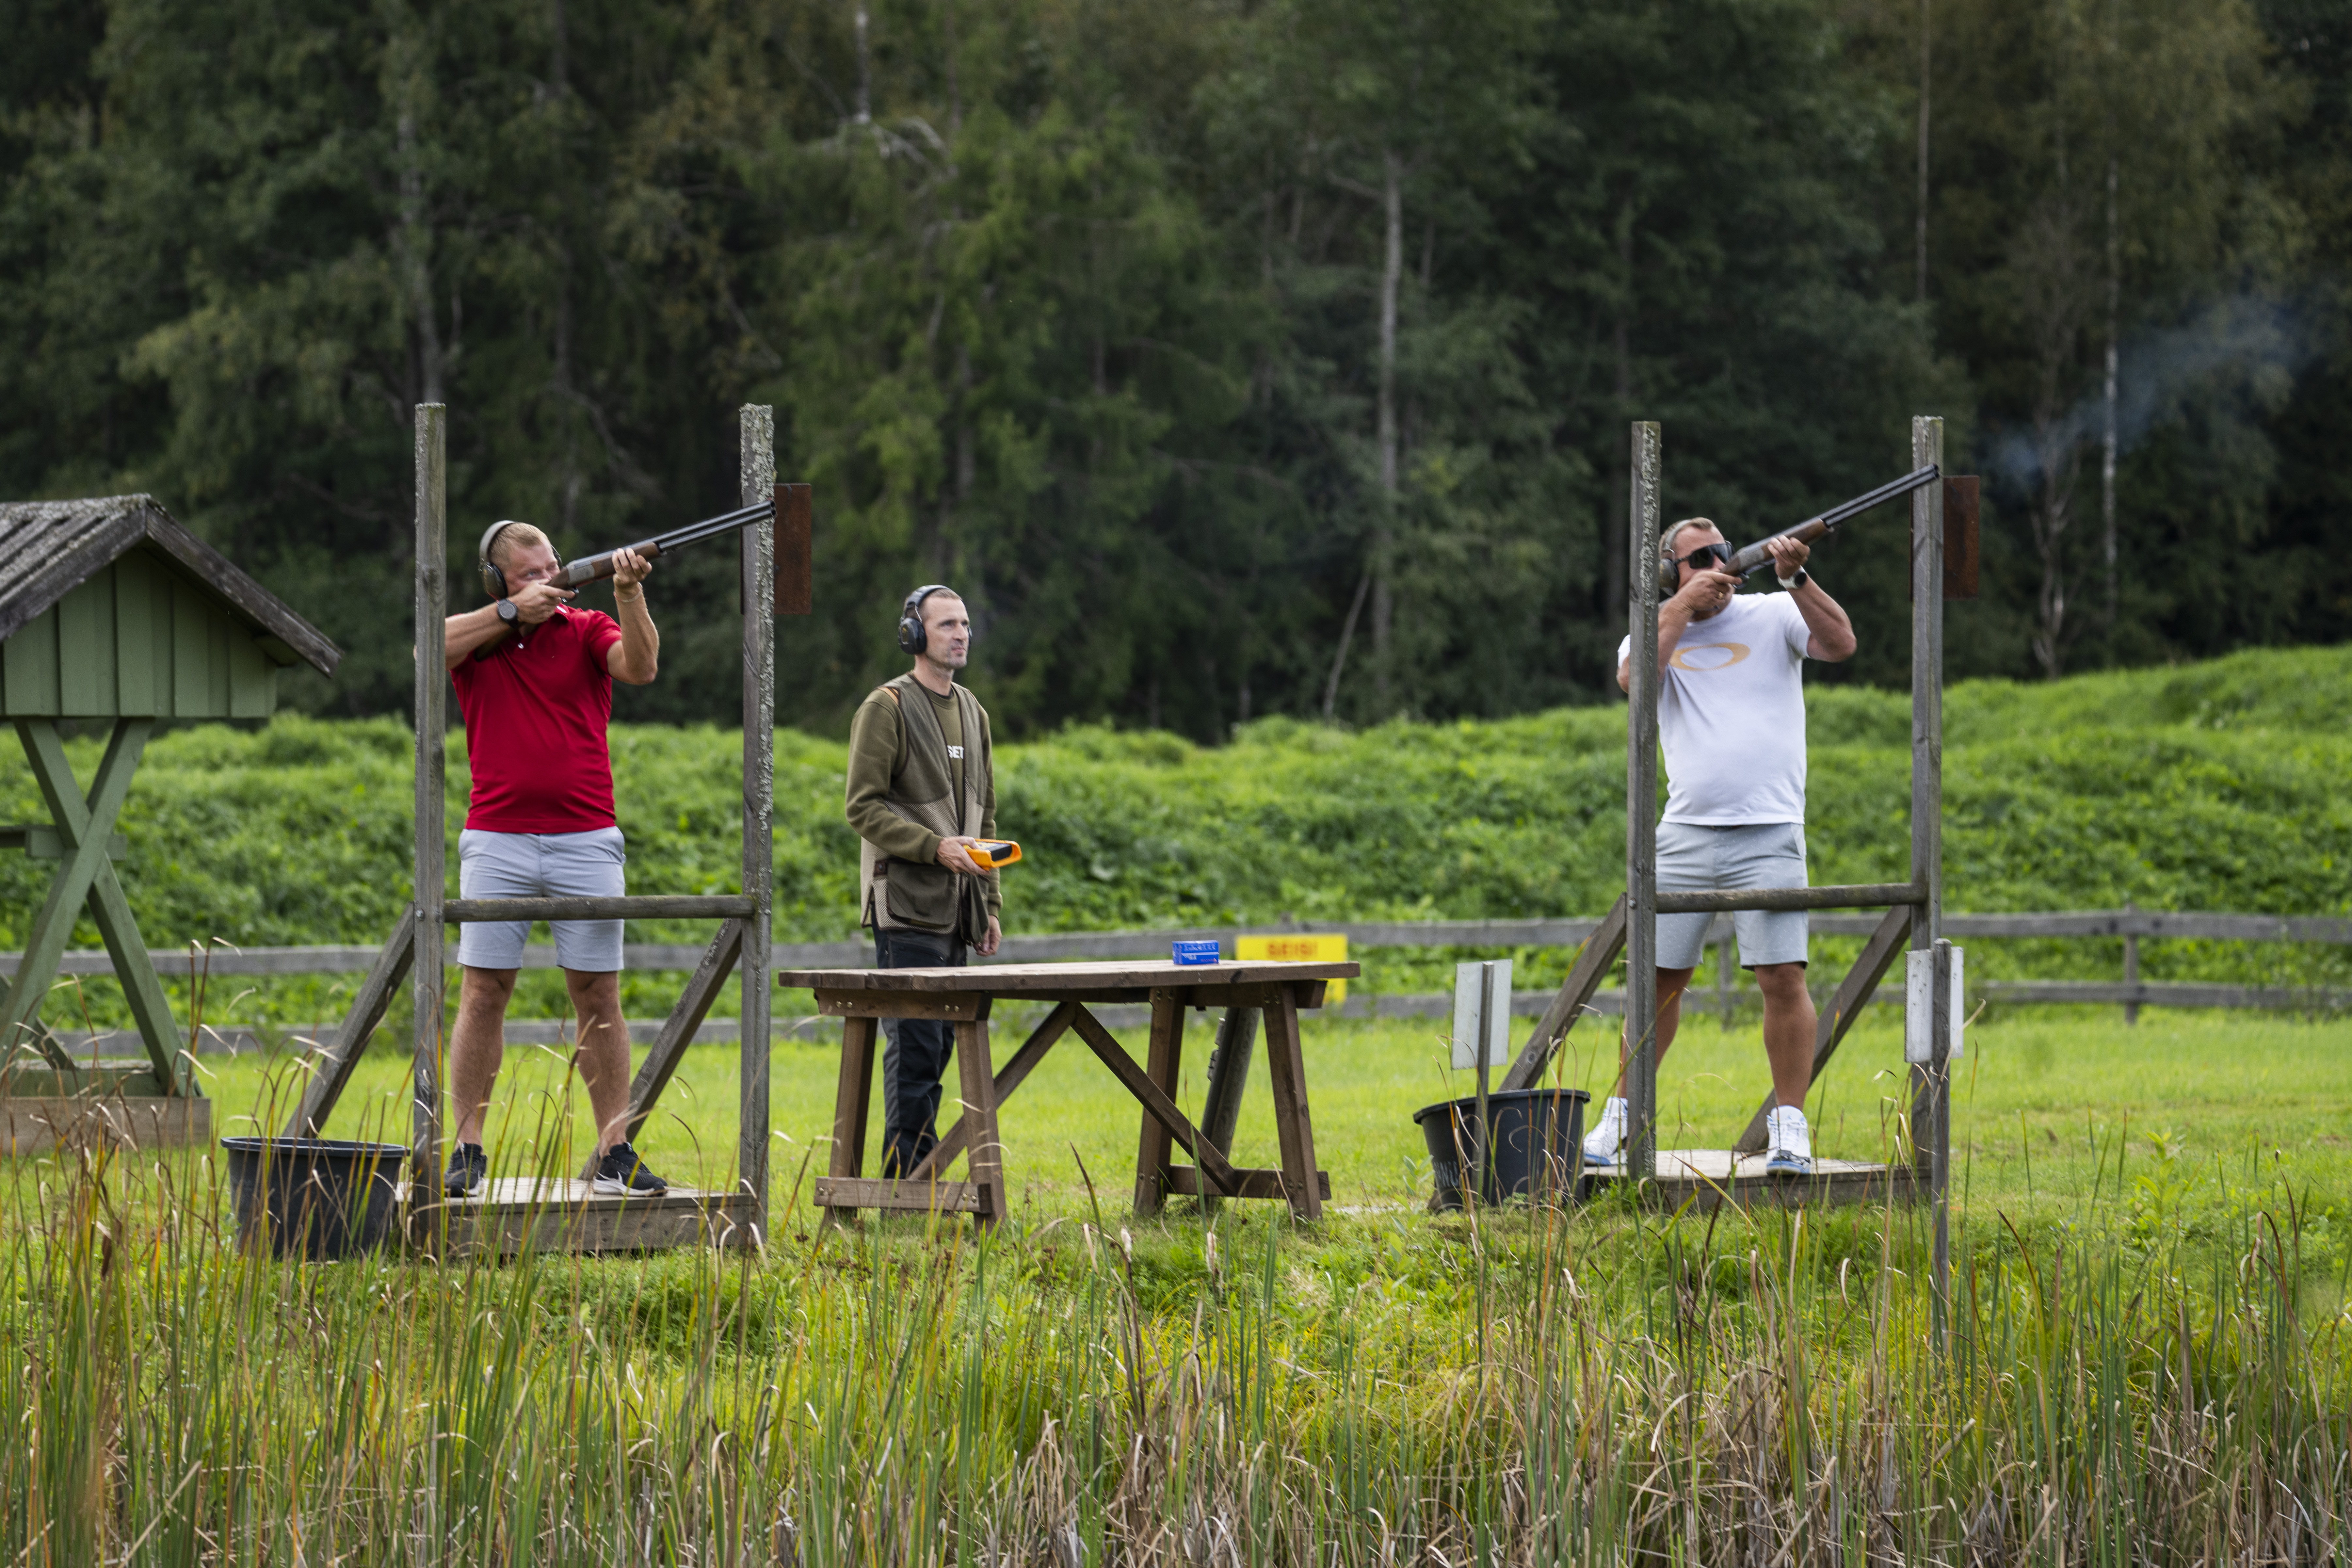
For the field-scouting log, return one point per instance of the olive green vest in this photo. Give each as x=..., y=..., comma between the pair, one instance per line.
x=922, y=790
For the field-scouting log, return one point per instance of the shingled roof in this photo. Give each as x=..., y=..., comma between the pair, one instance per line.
x=48, y=548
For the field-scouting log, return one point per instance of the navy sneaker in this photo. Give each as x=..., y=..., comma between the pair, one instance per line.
x=468, y=1166
x=621, y=1173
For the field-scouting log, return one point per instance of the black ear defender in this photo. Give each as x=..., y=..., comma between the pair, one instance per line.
x=912, y=636
x=494, y=580
x=1670, y=571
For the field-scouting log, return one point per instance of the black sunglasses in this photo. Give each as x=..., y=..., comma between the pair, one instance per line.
x=1721, y=552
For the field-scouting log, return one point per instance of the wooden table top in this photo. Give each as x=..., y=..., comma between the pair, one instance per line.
x=1044, y=979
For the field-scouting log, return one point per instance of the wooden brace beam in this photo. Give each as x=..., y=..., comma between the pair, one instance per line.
x=368, y=1004
x=1854, y=993
x=1024, y=1060
x=1220, y=1170
x=1584, y=977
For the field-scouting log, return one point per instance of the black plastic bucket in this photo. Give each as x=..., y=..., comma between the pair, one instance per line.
x=315, y=1198
x=1538, y=1150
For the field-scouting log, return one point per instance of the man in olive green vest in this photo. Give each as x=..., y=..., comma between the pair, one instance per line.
x=921, y=789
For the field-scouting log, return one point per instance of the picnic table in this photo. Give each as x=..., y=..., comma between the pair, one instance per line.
x=861, y=998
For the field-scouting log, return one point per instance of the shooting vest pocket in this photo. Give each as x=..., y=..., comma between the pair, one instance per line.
x=928, y=897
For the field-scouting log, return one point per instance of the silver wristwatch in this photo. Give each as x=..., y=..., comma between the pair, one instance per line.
x=1791, y=584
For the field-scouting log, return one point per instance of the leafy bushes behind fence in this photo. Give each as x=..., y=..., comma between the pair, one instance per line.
x=2210, y=786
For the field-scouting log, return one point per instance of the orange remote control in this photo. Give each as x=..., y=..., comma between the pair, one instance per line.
x=995, y=852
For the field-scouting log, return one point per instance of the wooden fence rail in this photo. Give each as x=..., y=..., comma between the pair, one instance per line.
x=2131, y=993
x=2132, y=925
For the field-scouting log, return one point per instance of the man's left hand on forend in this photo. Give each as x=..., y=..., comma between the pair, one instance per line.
x=1787, y=554
x=629, y=569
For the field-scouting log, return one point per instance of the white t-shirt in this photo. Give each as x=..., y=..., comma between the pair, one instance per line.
x=1731, y=713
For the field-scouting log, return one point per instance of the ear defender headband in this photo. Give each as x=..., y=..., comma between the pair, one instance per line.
x=494, y=580
x=912, y=638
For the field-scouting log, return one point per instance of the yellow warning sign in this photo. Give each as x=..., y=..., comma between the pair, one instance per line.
x=1298, y=948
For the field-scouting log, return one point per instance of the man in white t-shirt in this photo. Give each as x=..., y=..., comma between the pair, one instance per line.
x=1731, y=713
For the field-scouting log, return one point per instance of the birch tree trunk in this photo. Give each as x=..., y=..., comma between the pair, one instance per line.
x=414, y=246
x=2107, y=434
x=1384, y=536
x=1925, y=39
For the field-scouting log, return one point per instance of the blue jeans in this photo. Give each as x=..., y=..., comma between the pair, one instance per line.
x=916, y=1053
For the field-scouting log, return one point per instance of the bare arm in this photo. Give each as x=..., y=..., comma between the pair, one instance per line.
x=1830, y=634
x=464, y=636
x=1703, y=593
x=636, y=657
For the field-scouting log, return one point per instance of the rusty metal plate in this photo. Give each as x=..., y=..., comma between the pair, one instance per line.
x=795, y=553
x=1961, y=536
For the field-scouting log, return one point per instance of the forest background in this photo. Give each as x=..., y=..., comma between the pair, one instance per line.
x=1233, y=358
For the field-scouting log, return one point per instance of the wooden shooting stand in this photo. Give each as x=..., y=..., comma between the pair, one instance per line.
x=509, y=1214
x=1942, y=566
x=861, y=998
x=110, y=611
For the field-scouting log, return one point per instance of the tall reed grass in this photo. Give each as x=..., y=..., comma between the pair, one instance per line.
x=1527, y=1386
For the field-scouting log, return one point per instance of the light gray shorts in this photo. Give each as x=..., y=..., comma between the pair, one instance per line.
x=1753, y=855
x=542, y=865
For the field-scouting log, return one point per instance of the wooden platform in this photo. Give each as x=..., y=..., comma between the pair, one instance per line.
x=1709, y=1178
x=512, y=1213
x=38, y=1125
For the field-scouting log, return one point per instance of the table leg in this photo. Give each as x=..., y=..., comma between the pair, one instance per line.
x=1293, y=1127
x=984, y=1156
x=850, y=1103
x=1165, y=1056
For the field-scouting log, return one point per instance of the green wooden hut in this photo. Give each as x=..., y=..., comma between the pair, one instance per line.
x=110, y=611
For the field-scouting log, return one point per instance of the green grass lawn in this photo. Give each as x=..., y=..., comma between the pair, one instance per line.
x=2149, y=1332
x=2054, y=1107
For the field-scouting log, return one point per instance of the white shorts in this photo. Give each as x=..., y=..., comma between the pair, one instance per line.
x=1752, y=855
x=542, y=865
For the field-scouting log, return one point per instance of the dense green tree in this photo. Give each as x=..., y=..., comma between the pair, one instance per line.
x=1233, y=356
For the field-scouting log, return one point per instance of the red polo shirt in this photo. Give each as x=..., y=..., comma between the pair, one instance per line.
x=536, y=709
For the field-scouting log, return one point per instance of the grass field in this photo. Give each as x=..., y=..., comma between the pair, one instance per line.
x=2146, y=1357
x=2148, y=1351
x=2055, y=1107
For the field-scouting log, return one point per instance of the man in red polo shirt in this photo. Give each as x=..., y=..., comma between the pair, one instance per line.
x=534, y=679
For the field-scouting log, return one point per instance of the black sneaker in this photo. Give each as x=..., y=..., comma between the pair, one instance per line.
x=620, y=1173
x=468, y=1166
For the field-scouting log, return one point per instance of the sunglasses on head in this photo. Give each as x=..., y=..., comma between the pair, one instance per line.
x=1720, y=551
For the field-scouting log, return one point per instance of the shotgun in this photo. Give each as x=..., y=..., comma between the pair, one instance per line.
x=591, y=568
x=1752, y=560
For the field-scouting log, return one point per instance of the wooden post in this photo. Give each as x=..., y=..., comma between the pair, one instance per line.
x=1165, y=1061
x=1229, y=1065
x=758, y=434
x=1481, y=1146
x=1723, y=998
x=2131, y=964
x=426, y=976
x=1930, y=1107
x=1642, y=809
x=984, y=1154
x=1294, y=1129
x=851, y=1099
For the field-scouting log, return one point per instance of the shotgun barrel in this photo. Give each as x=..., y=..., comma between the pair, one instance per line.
x=590, y=568
x=1752, y=560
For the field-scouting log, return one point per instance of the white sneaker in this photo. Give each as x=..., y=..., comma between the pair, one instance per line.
x=1789, y=1141
x=1601, y=1144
